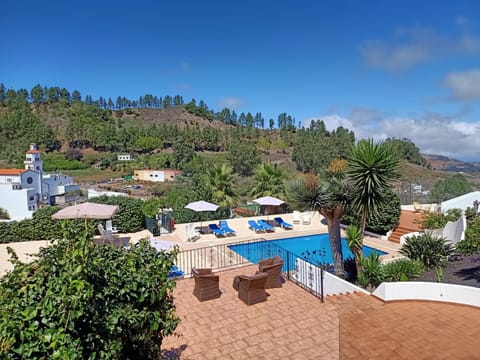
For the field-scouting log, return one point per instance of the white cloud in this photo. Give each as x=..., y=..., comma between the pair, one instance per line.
x=416, y=45
x=393, y=58
x=231, y=102
x=464, y=85
x=432, y=133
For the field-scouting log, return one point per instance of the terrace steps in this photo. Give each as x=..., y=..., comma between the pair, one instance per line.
x=410, y=221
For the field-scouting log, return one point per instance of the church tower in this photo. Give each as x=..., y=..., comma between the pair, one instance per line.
x=33, y=161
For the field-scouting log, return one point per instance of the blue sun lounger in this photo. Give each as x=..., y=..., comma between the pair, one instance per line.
x=252, y=224
x=266, y=226
x=283, y=224
x=216, y=230
x=227, y=229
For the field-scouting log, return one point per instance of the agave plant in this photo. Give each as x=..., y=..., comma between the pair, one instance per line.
x=431, y=250
x=403, y=270
x=372, y=274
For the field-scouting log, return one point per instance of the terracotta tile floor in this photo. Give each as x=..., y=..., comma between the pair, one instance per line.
x=292, y=324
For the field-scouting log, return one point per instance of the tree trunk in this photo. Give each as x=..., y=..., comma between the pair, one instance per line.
x=357, y=253
x=336, y=245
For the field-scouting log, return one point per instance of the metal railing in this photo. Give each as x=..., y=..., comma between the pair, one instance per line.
x=300, y=270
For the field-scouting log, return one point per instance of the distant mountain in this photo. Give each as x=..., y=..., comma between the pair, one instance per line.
x=439, y=162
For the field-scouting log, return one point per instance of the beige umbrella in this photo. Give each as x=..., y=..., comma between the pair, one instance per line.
x=86, y=210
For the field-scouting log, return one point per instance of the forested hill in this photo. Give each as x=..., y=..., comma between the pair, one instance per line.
x=60, y=120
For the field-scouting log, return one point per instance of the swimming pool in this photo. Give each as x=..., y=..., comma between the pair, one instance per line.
x=313, y=248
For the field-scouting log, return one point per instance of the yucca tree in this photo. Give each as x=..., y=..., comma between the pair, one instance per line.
x=354, y=239
x=219, y=185
x=331, y=197
x=268, y=181
x=371, y=168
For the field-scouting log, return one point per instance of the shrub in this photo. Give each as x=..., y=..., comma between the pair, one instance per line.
x=471, y=243
x=372, y=274
x=129, y=217
x=402, y=270
x=86, y=301
x=436, y=221
x=387, y=218
x=431, y=250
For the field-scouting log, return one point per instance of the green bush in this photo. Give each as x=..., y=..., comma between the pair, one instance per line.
x=40, y=227
x=129, y=217
x=471, y=243
x=402, y=270
x=386, y=220
x=431, y=250
x=86, y=301
x=436, y=221
x=372, y=274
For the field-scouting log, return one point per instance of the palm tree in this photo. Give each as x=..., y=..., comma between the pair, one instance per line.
x=371, y=168
x=354, y=239
x=218, y=183
x=331, y=197
x=268, y=181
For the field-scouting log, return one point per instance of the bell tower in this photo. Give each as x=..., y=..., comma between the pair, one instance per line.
x=33, y=161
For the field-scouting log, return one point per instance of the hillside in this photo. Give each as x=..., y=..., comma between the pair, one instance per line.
x=98, y=132
x=443, y=163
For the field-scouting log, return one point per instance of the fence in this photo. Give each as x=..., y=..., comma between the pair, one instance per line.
x=305, y=272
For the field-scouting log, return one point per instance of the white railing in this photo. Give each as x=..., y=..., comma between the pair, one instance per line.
x=309, y=276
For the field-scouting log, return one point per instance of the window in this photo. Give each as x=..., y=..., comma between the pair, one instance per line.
x=29, y=180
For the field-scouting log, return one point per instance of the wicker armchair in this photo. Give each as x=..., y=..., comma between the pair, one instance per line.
x=251, y=289
x=273, y=268
x=206, y=284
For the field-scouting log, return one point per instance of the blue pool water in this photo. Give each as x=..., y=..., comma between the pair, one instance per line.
x=313, y=248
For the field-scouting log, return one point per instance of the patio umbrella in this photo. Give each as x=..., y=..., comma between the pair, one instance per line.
x=200, y=206
x=86, y=210
x=268, y=201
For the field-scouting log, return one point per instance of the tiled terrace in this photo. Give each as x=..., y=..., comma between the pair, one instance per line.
x=292, y=324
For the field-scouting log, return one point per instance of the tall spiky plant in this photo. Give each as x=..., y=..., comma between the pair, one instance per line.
x=371, y=168
x=331, y=197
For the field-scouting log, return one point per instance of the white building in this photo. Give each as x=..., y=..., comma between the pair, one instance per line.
x=461, y=202
x=124, y=157
x=156, y=175
x=22, y=190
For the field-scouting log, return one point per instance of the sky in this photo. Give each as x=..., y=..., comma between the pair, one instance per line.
x=399, y=68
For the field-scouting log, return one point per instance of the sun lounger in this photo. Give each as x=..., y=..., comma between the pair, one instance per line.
x=252, y=224
x=227, y=229
x=296, y=217
x=266, y=226
x=307, y=217
x=283, y=224
x=216, y=230
x=192, y=233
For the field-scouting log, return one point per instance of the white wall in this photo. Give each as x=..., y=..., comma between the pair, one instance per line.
x=15, y=202
x=413, y=290
x=95, y=193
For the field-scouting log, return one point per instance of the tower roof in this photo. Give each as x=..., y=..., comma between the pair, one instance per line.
x=32, y=151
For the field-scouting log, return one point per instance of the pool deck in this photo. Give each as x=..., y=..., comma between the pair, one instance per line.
x=316, y=226
x=178, y=236
x=293, y=324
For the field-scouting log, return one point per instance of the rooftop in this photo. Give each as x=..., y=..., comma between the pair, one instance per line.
x=12, y=171
x=293, y=324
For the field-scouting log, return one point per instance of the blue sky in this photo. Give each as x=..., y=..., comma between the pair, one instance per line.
x=381, y=68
